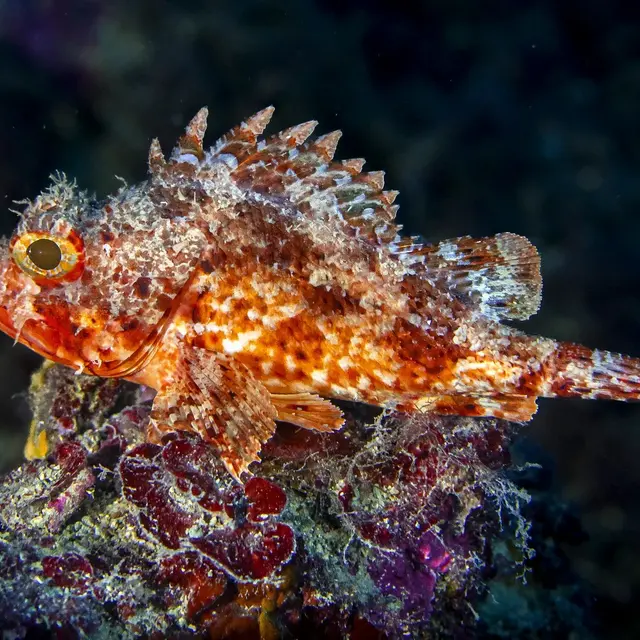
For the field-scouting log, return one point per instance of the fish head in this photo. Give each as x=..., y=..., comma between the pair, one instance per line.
x=88, y=283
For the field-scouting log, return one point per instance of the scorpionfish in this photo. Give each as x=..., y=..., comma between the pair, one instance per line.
x=260, y=279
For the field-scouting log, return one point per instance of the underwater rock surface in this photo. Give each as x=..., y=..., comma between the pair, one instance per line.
x=383, y=529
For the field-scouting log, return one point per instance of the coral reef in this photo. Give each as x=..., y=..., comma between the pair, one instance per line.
x=383, y=528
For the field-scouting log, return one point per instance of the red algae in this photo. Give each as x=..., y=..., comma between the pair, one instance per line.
x=195, y=575
x=392, y=522
x=249, y=552
x=244, y=550
x=265, y=498
x=68, y=570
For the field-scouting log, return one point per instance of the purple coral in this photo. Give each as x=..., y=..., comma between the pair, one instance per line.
x=409, y=574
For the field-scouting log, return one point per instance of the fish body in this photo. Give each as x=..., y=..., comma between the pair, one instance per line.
x=259, y=279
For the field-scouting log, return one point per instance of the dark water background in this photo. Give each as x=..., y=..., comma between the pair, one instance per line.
x=493, y=116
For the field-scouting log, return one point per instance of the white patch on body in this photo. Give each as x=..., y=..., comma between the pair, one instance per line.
x=241, y=342
x=385, y=377
x=290, y=363
x=319, y=375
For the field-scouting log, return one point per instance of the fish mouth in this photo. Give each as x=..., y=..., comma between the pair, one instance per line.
x=6, y=326
x=140, y=358
x=38, y=338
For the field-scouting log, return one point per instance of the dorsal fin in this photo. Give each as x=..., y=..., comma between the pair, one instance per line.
x=325, y=146
x=156, y=157
x=500, y=274
x=189, y=146
x=303, y=169
x=241, y=141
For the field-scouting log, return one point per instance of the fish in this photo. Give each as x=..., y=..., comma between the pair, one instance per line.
x=260, y=280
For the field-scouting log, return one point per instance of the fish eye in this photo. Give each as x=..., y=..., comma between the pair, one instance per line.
x=49, y=258
x=45, y=254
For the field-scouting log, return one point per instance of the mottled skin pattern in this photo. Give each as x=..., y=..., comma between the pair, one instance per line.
x=255, y=281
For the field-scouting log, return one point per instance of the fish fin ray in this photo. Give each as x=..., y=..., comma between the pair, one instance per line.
x=515, y=408
x=217, y=398
x=580, y=372
x=308, y=410
x=191, y=142
x=292, y=164
x=499, y=274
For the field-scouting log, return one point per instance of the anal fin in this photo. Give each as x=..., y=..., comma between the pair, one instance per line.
x=308, y=410
x=499, y=274
x=217, y=398
x=515, y=408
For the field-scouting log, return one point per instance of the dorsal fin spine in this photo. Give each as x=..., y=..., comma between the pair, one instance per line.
x=257, y=123
x=190, y=145
x=156, y=158
x=327, y=144
x=304, y=168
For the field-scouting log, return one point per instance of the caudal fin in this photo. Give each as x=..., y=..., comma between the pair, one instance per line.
x=591, y=373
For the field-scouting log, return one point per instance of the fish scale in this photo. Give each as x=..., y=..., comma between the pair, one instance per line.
x=260, y=279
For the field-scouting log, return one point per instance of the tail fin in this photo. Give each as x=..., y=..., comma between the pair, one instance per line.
x=591, y=373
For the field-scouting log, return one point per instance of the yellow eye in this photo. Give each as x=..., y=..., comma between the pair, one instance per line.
x=45, y=257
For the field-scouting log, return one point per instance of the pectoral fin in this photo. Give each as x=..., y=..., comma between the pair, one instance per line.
x=217, y=398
